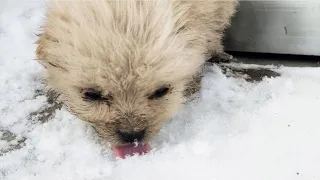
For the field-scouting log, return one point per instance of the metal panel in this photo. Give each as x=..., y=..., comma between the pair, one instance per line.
x=278, y=26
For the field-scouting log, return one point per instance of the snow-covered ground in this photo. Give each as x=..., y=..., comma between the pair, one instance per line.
x=235, y=130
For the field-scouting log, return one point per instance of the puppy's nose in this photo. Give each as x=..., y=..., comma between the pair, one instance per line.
x=130, y=137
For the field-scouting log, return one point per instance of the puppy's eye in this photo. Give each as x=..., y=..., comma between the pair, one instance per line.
x=159, y=93
x=92, y=94
x=95, y=95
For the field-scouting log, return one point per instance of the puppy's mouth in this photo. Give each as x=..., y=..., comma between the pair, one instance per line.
x=136, y=148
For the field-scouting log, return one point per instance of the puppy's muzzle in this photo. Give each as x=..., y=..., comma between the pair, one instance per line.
x=133, y=136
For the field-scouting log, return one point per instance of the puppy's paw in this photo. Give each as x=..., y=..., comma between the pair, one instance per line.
x=222, y=58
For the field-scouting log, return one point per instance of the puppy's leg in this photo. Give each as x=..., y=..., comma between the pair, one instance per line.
x=216, y=53
x=217, y=29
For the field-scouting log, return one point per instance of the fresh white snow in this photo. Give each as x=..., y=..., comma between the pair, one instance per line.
x=235, y=130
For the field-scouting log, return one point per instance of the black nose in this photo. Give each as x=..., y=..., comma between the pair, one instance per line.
x=130, y=137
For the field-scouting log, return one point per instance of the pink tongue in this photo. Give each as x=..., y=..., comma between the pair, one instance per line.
x=131, y=149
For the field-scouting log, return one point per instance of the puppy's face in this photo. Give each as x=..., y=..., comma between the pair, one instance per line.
x=125, y=109
x=125, y=101
x=126, y=83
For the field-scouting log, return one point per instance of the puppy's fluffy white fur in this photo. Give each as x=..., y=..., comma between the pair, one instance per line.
x=125, y=51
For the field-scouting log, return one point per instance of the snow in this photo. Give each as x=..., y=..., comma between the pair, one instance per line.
x=234, y=130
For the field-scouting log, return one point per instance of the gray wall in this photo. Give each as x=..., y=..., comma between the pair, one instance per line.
x=276, y=26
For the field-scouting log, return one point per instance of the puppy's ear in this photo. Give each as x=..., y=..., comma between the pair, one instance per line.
x=42, y=56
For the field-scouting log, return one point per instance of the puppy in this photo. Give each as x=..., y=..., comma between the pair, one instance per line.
x=125, y=66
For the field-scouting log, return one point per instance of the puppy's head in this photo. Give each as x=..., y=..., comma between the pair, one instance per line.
x=127, y=84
